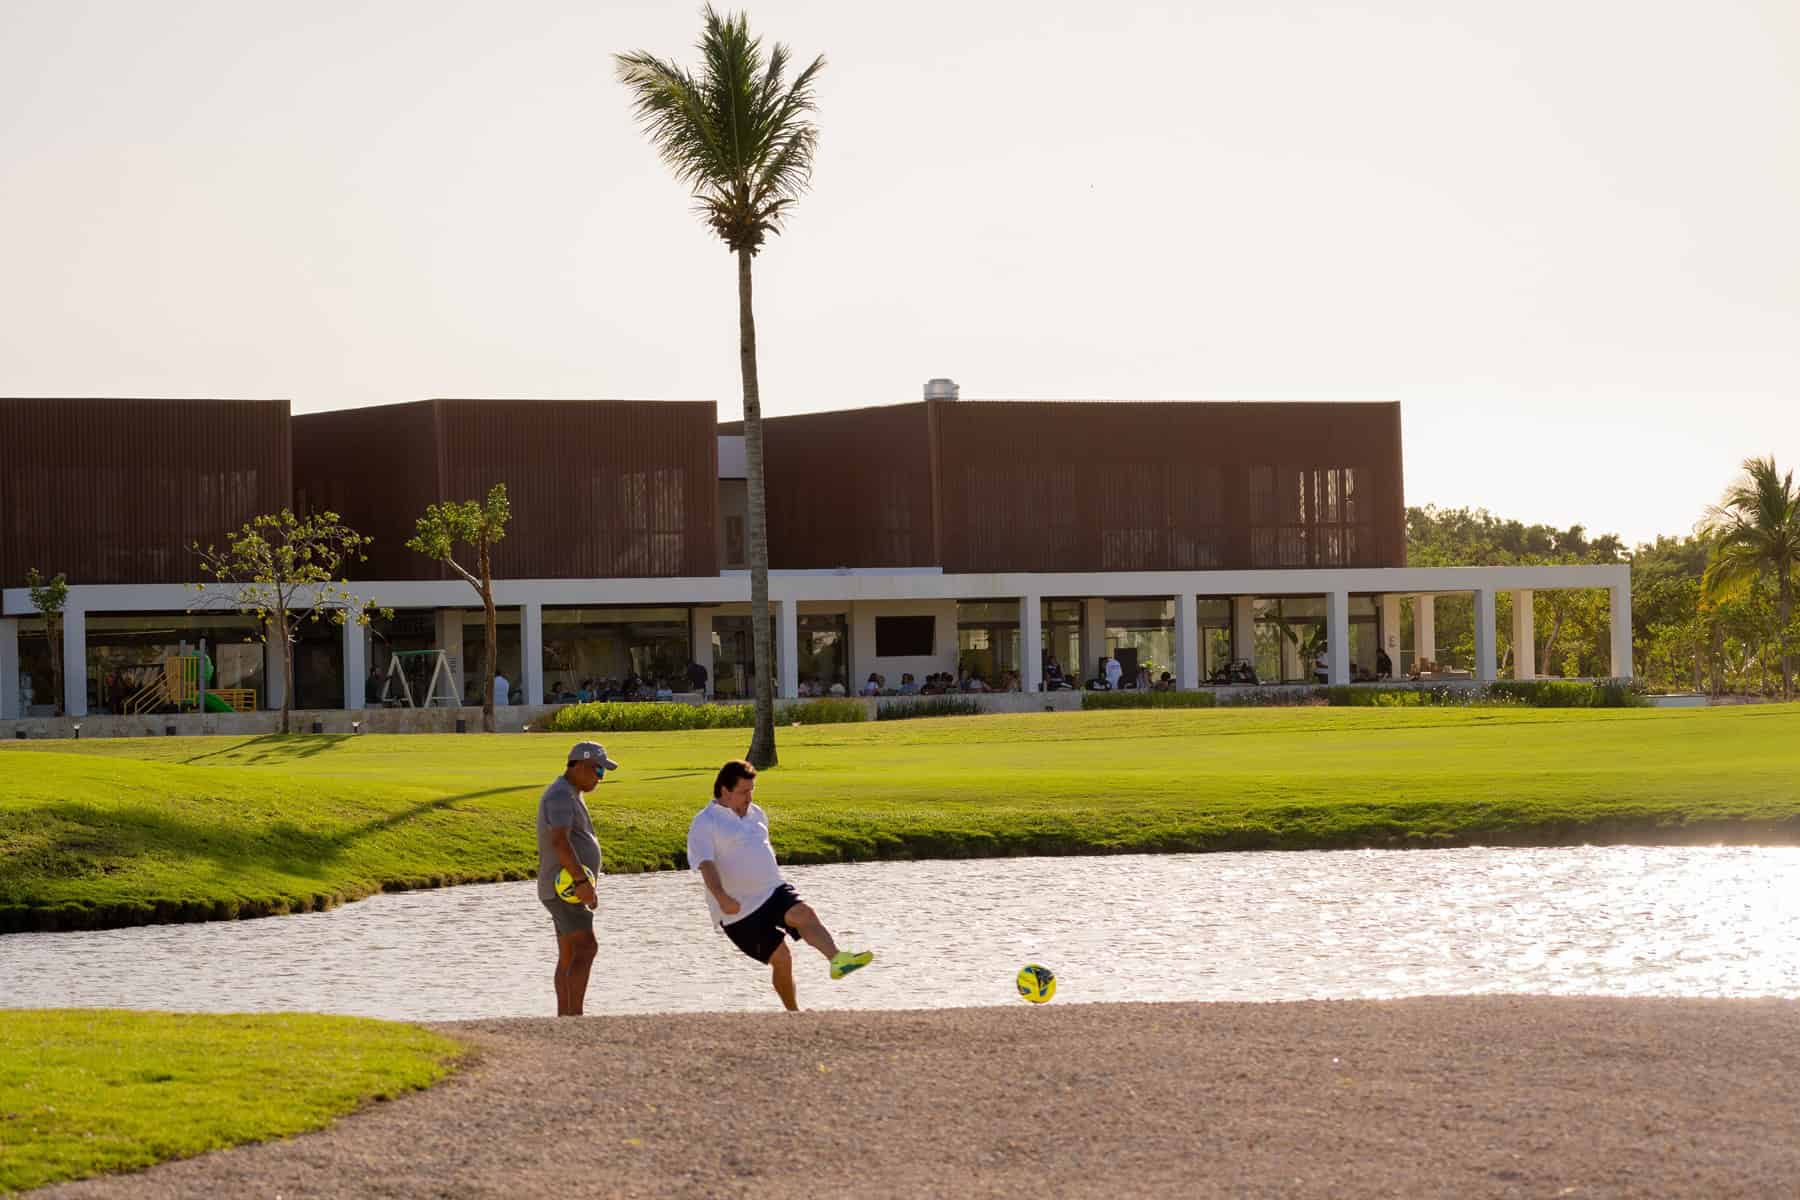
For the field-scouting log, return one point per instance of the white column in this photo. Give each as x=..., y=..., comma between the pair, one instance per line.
x=9, y=669
x=274, y=668
x=1390, y=631
x=700, y=632
x=787, y=653
x=75, y=674
x=1093, y=637
x=356, y=664
x=1187, y=641
x=1485, y=666
x=531, y=649
x=450, y=640
x=1524, y=635
x=1424, y=629
x=1031, y=643
x=1337, y=637
x=1243, y=628
x=1621, y=630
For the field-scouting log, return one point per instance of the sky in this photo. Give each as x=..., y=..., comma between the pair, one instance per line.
x=1564, y=235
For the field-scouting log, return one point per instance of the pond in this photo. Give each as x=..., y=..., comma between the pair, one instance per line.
x=1614, y=921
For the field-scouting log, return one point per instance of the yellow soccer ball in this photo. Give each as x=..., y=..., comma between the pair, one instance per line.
x=565, y=884
x=1036, y=984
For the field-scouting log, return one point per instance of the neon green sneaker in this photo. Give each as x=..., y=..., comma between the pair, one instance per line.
x=848, y=961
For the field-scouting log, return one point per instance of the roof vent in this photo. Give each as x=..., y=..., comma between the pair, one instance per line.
x=940, y=389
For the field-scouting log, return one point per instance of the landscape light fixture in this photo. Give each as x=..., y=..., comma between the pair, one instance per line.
x=355, y=727
x=78, y=731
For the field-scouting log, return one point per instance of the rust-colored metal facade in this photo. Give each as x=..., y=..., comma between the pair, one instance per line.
x=980, y=486
x=599, y=489
x=851, y=489
x=117, y=491
x=1059, y=486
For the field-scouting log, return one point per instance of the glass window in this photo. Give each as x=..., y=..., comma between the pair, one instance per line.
x=506, y=653
x=615, y=651
x=825, y=651
x=126, y=655
x=734, y=657
x=36, y=681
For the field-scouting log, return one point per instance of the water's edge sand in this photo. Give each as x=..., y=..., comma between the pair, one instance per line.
x=1464, y=1096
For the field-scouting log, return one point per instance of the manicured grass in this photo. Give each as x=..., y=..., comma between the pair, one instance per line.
x=121, y=831
x=87, y=1091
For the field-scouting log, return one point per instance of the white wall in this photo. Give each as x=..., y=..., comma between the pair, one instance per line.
x=863, y=659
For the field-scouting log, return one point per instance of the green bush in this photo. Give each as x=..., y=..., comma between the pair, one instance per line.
x=929, y=706
x=1286, y=696
x=821, y=712
x=1531, y=693
x=629, y=717
x=1148, y=700
x=1562, y=693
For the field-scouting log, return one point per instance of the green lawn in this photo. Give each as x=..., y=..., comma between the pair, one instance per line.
x=86, y=1091
x=119, y=831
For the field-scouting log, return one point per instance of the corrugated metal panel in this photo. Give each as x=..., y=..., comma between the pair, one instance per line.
x=850, y=489
x=599, y=488
x=377, y=468
x=118, y=490
x=1056, y=486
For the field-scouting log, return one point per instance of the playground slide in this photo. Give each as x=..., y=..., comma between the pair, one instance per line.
x=214, y=704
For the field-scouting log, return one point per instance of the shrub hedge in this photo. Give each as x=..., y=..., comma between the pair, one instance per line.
x=1151, y=699
x=1529, y=693
x=628, y=717
x=929, y=706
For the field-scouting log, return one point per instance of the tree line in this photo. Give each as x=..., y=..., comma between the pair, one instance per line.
x=1712, y=610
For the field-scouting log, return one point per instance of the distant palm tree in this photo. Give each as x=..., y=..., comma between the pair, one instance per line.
x=1757, y=527
x=738, y=136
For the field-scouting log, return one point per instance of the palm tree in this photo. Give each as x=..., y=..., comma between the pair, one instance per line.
x=1756, y=528
x=737, y=134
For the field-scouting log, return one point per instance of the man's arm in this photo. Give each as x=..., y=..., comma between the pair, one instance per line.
x=565, y=854
x=710, y=874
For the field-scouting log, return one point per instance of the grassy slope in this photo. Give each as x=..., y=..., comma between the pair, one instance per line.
x=88, y=1091
x=117, y=831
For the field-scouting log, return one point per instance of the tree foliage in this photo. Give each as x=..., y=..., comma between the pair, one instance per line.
x=50, y=596
x=477, y=524
x=287, y=571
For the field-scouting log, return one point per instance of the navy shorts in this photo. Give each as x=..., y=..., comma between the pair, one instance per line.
x=760, y=933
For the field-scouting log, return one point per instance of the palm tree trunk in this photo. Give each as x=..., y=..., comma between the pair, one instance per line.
x=492, y=639
x=762, y=740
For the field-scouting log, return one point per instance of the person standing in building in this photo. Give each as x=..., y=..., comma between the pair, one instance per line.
x=1114, y=672
x=566, y=842
x=502, y=691
x=728, y=844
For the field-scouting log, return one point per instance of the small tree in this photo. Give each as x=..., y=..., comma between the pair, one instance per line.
x=478, y=525
x=287, y=570
x=49, y=596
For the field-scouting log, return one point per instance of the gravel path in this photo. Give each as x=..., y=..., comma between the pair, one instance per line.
x=1465, y=1096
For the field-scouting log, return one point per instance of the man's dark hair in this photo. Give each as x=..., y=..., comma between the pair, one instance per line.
x=729, y=774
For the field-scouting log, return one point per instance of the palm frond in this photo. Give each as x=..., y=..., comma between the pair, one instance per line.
x=736, y=132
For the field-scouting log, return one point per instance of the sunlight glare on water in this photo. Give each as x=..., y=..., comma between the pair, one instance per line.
x=1613, y=921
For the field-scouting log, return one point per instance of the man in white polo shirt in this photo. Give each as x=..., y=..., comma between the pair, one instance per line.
x=728, y=843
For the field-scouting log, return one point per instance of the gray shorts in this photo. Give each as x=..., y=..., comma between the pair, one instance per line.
x=569, y=918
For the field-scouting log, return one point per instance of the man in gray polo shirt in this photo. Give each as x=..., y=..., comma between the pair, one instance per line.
x=566, y=842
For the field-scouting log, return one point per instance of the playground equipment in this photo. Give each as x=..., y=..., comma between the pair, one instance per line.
x=431, y=665
x=185, y=685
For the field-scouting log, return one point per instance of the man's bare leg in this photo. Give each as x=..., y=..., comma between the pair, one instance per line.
x=802, y=918
x=575, y=954
x=781, y=965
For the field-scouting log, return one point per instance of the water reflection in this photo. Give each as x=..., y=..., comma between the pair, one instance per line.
x=1617, y=921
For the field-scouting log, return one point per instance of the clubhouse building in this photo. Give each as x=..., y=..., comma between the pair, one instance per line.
x=975, y=538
